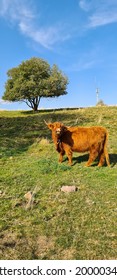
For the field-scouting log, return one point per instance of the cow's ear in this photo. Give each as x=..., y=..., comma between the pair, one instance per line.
x=50, y=126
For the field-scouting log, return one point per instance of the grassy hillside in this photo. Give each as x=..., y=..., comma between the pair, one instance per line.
x=79, y=225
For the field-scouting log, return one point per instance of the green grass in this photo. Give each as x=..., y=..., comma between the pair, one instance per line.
x=80, y=225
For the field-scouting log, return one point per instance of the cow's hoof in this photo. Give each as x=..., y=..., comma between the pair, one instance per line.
x=86, y=165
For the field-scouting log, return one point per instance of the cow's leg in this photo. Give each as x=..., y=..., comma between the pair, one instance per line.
x=101, y=159
x=69, y=155
x=61, y=156
x=92, y=156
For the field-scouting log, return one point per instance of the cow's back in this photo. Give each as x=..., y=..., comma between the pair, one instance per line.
x=81, y=139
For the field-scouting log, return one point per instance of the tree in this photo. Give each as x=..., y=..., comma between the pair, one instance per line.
x=32, y=80
x=100, y=103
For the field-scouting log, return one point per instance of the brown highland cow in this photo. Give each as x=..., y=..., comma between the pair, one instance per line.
x=80, y=139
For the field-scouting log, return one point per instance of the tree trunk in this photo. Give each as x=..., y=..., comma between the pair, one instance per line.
x=33, y=103
x=36, y=101
x=35, y=107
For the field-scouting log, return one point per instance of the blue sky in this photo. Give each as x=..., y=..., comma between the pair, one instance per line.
x=80, y=36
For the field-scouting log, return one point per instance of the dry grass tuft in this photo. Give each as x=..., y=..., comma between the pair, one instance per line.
x=44, y=142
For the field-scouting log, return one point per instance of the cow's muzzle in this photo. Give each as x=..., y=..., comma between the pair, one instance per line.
x=58, y=131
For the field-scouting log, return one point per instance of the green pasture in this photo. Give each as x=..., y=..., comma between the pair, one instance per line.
x=80, y=225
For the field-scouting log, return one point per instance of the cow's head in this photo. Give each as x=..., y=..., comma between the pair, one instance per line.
x=57, y=127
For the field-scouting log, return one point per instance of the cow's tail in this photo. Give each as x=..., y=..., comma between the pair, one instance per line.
x=105, y=149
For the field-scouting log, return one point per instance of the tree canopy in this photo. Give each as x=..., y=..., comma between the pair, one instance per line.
x=32, y=80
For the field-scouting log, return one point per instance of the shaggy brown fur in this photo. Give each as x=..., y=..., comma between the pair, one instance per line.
x=80, y=139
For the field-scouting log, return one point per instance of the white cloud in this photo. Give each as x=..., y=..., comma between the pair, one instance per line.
x=81, y=65
x=99, y=13
x=47, y=37
x=85, y=5
x=16, y=10
x=3, y=102
x=4, y=7
x=102, y=18
x=22, y=14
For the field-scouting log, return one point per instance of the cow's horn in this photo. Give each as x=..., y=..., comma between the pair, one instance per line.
x=45, y=122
